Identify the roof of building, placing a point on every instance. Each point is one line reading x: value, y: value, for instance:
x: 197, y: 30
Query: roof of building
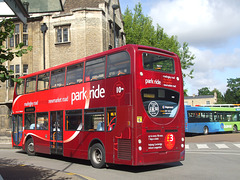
x: 72, y: 4
x: 199, y: 97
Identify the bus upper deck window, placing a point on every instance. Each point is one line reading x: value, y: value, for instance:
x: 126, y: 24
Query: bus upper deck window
x: 20, y: 88
x: 57, y: 78
x: 118, y: 64
x: 43, y: 81
x: 74, y: 74
x: 95, y: 69
x: 158, y: 63
x: 30, y: 84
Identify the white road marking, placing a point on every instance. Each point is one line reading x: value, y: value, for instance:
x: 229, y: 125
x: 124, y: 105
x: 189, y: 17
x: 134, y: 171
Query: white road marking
x: 222, y: 146
x: 202, y: 146
x: 238, y: 145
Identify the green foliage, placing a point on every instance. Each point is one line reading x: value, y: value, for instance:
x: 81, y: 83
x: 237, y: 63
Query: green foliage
x: 139, y: 29
x: 204, y: 91
x: 232, y: 94
x: 7, y: 54
x: 220, y: 97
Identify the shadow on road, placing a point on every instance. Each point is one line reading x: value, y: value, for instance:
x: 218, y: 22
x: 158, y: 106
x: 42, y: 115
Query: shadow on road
x: 11, y: 169
x: 133, y: 169
x: 140, y: 169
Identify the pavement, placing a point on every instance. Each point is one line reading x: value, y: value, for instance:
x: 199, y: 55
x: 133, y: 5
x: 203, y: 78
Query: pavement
x: 5, y: 142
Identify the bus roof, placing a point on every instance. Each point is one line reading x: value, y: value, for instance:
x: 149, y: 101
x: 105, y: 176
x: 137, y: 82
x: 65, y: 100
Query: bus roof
x: 111, y: 51
x: 198, y: 108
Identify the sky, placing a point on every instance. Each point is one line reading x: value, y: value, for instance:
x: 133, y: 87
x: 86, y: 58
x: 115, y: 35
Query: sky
x: 212, y: 30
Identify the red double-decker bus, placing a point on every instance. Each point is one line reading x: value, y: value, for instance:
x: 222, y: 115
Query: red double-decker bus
x: 122, y: 106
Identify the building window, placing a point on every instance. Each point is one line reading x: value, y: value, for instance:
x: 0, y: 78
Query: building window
x: 25, y: 34
x: 62, y: 34
x: 15, y: 39
x: 17, y: 70
x: 15, y: 74
x: 12, y: 68
x: 16, y: 34
x: 25, y: 69
x: 11, y: 41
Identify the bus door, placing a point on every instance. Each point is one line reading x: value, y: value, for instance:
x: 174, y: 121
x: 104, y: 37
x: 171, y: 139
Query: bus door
x: 56, y: 132
x: 17, y: 129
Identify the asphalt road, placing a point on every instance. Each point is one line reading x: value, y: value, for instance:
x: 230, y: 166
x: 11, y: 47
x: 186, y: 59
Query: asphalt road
x: 214, y: 156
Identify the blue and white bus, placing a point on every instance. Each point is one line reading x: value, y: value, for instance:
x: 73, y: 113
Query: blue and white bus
x: 211, y: 119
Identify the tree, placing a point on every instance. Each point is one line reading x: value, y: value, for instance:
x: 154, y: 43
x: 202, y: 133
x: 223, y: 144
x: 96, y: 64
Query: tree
x: 220, y: 97
x: 139, y: 29
x: 232, y: 94
x: 7, y: 54
x: 204, y: 91
x: 229, y: 98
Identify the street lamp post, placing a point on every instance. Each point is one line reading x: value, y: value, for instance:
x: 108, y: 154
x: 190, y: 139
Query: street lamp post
x: 44, y: 29
x: 115, y: 7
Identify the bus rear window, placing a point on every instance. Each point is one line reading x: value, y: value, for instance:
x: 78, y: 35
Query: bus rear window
x: 159, y: 102
x: 158, y: 63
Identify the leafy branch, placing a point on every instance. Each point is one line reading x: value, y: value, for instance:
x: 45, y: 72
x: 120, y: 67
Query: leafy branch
x: 7, y: 54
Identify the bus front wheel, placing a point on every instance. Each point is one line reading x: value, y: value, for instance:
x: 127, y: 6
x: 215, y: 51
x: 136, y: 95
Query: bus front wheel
x: 29, y: 147
x: 97, y: 156
x: 205, y: 130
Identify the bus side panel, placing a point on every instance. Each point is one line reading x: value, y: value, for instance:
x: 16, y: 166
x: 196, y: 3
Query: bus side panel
x: 121, y: 137
x: 72, y: 144
x: 41, y: 145
x: 198, y: 127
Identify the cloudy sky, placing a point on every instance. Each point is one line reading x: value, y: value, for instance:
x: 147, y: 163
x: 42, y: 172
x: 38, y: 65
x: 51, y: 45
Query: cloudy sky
x: 212, y: 30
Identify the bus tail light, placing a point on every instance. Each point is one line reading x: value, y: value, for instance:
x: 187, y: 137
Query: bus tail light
x: 182, y: 145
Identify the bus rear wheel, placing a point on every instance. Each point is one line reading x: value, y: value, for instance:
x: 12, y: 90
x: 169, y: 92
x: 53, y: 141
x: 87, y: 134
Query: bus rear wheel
x: 205, y: 130
x: 97, y: 156
x: 29, y: 147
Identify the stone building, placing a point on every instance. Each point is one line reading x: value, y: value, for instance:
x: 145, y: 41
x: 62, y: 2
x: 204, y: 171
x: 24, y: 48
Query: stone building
x: 200, y: 100
x: 82, y: 29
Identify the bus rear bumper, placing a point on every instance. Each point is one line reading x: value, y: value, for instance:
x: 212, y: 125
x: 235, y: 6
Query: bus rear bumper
x: 161, y: 157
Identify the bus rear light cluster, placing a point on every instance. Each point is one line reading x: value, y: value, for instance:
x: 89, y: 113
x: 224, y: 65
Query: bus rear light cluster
x: 182, y: 145
x: 140, y: 142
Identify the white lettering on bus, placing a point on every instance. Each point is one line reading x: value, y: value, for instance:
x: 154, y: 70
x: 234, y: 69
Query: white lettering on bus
x: 31, y: 104
x: 93, y: 94
x: 151, y: 81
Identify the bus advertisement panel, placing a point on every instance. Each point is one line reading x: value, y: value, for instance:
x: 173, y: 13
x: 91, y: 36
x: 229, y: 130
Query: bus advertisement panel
x: 122, y: 106
x: 211, y: 119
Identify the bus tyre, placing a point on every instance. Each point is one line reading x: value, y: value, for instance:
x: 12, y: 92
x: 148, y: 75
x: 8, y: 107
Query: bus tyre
x: 205, y: 130
x: 29, y: 147
x: 235, y: 129
x: 97, y: 156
